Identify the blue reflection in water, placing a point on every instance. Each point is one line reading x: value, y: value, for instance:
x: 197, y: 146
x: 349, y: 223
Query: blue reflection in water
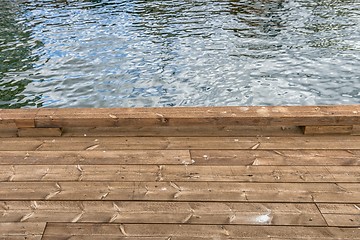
x: 137, y: 53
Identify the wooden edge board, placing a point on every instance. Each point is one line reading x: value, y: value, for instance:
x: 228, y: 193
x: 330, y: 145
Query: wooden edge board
x: 210, y: 231
x: 340, y: 142
x: 256, y: 116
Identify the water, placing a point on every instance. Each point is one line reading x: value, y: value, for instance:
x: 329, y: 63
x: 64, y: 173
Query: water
x: 137, y: 53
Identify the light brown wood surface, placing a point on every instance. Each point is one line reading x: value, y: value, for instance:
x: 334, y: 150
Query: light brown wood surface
x: 180, y: 173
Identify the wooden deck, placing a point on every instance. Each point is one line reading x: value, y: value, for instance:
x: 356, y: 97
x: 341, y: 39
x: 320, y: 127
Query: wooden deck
x: 180, y: 173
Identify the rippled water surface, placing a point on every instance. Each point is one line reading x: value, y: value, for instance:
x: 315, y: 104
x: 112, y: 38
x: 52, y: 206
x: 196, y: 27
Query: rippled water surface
x: 117, y: 53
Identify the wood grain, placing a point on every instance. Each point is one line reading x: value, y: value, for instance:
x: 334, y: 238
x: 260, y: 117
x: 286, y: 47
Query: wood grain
x: 18, y: 230
x: 258, y: 116
x: 180, y: 143
x: 317, y: 130
x: 39, y: 132
x: 162, y: 212
x: 341, y: 214
x: 183, y: 191
x: 190, y: 231
x: 119, y: 157
x: 276, y: 157
x: 182, y: 173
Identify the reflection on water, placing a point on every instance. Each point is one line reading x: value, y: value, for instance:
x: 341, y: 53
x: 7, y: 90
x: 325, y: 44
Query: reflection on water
x: 121, y: 53
x: 16, y: 57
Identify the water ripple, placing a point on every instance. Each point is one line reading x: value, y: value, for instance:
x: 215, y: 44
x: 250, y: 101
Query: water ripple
x: 121, y: 53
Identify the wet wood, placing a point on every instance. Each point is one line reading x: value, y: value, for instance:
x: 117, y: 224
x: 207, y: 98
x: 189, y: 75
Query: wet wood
x: 182, y: 173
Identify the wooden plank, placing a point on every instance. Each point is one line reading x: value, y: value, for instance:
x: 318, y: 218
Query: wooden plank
x: 356, y: 130
x: 147, y: 143
x: 117, y: 237
x: 98, y: 237
x: 6, y: 133
x: 190, y: 231
x: 316, y: 130
x: 20, y: 117
x: 327, y: 208
x: 21, y: 229
x: 343, y: 220
x: 275, y: 157
x: 185, y: 131
x: 7, y: 129
x: 258, y: 116
x: 32, y: 237
x: 180, y: 157
x: 39, y: 132
x: 179, y: 173
x: 162, y: 212
x: 341, y: 214
x: 125, y: 157
x: 265, y: 116
x: 183, y: 191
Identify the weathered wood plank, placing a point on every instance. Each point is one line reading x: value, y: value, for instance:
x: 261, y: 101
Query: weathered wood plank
x: 209, y: 231
x: 275, y: 157
x: 176, y: 173
x: 356, y: 130
x: 183, y: 191
x: 343, y: 220
x: 98, y: 237
x: 339, y: 208
x: 259, y: 116
x: 39, y: 132
x: 185, y: 131
x: 147, y: 143
x: 341, y: 214
x: 20, y: 117
x: 180, y: 157
x: 21, y: 229
x: 162, y: 212
x: 121, y: 157
x: 265, y: 116
x: 32, y: 237
x: 317, y: 130
x: 7, y: 129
